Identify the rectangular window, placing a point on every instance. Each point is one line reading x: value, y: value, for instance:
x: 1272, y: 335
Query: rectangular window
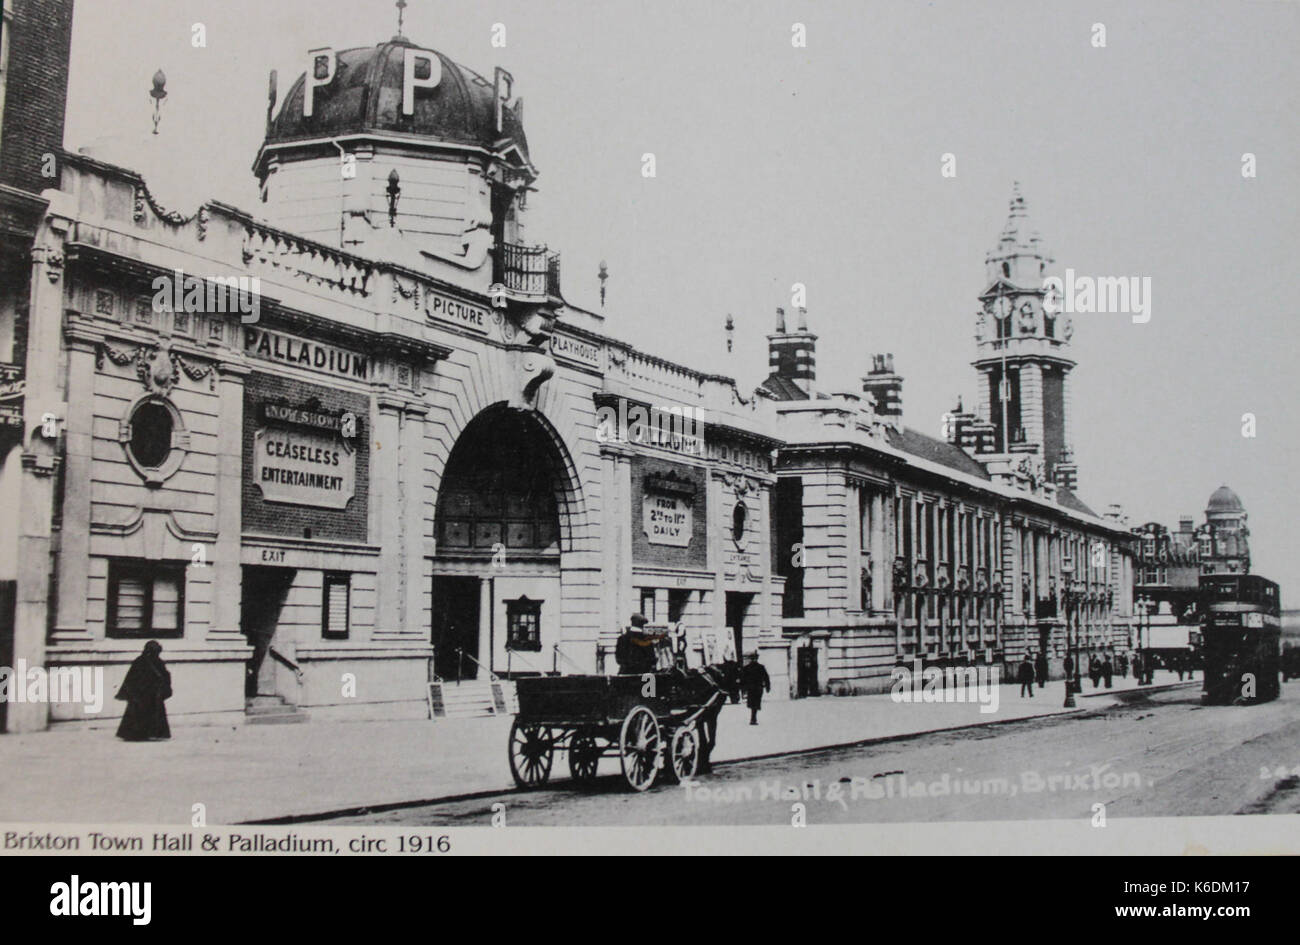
x: 145, y: 599
x: 336, y: 609
x: 648, y: 603
x: 524, y: 624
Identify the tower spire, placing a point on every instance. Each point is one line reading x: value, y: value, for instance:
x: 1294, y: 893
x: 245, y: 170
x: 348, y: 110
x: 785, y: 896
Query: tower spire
x: 401, y: 12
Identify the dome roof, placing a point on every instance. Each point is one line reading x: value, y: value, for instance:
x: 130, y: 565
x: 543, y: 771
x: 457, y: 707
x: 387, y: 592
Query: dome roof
x: 1225, y: 500
x: 365, y: 95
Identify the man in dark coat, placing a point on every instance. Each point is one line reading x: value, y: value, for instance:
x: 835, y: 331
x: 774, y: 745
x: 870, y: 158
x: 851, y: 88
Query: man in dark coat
x: 1107, y: 670
x: 1040, y: 669
x: 1094, y: 670
x: 754, y: 681
x: 1025, y: 676
x: 147, y: 685
x: 635, y: 651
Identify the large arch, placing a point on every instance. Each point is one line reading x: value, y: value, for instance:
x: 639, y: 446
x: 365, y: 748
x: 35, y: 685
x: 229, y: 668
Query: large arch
x: 507, y: 508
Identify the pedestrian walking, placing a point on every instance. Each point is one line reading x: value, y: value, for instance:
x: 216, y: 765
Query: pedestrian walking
x: 1107, y: 670
x: 1025, y: 676
x: 147, y: 685
x: 1040, y: 668
x: 1094, y: 670
x: 1122, y: 660
x: 754, y: 681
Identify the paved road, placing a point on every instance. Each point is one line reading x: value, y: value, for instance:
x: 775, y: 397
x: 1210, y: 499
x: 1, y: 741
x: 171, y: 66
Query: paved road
x: 1161, y: 755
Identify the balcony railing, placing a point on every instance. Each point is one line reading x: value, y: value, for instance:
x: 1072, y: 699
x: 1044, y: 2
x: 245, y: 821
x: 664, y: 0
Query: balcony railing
x: 527, y: 270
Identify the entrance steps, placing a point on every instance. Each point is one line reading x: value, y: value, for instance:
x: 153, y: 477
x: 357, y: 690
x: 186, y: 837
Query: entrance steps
x: 271, y: 710
x: 472, y: 699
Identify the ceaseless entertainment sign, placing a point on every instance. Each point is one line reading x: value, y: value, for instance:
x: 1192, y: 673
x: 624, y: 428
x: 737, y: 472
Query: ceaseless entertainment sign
x: 303, y: 467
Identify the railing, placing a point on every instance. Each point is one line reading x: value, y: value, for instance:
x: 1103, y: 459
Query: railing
x: 461, y: 656
x: 559, y: 655
x: 510, y: 656
x: 307, y: 260
x: 285, y: 661
x: 529, y: 270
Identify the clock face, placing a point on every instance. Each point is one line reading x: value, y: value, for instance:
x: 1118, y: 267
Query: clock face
x: 1002, y: 307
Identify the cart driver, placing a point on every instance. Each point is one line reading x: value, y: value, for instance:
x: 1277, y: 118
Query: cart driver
x: 635, y: 650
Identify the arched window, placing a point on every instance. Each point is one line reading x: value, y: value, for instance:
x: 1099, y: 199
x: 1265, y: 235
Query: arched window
x: 739, y: 520
x: 499, y: 488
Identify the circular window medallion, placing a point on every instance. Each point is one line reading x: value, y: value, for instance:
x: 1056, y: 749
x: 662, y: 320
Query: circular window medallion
x: 151, y: 435
x: 154, y: 439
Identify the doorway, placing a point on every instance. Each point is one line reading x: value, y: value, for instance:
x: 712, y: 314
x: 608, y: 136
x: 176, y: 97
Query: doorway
x: 262, y: 598
x: 737, y: 608
x: 807, y: 671
x: 455, y: 627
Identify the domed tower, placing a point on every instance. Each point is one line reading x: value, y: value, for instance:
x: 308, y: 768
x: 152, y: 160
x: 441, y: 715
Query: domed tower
x: 1224, y: 545
x: 1022, y: 351
x: 396, y: 152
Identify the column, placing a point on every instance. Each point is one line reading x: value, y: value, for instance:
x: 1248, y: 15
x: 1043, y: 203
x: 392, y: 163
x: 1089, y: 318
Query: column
x: 713, y: 486
x: 73, y: 566
x: 227, y: 576
x: 1031, y: 403
x: 385, y: 498
x: 616, y: 541
x: 40, y: 460
x: 415, y: 571
x: 881, y: 559
x: 853, y: 547
x: 486, y: 647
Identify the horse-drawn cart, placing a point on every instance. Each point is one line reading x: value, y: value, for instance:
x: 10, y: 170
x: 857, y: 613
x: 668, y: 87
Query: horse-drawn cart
x: 657, y: 721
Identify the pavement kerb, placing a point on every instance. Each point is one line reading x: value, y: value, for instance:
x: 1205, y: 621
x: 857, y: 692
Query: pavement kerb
x: 794, y: 752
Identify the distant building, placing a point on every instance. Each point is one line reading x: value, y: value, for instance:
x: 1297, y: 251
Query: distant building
x: 1168, y: 565
x: 973, y: 548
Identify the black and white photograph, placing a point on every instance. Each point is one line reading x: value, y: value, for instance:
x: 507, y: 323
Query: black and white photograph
x: 805, y: 427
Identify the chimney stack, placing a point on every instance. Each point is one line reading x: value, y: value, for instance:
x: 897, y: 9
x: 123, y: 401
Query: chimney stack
x: 793, y: 354
x: 887, y: 389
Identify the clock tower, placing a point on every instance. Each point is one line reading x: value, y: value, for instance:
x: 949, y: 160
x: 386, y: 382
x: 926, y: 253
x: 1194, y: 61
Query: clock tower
x: 1022, y: 353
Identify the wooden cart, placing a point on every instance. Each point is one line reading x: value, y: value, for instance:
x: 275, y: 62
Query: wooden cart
x: 651, y: 723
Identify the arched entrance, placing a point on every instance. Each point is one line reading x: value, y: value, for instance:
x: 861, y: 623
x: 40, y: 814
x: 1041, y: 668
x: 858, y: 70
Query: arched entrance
x: 496, y: 583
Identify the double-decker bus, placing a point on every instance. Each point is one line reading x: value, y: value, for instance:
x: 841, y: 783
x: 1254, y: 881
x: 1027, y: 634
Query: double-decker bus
x: 1242, y: 614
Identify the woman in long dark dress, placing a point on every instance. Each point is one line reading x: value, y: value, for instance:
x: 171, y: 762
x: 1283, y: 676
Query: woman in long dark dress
x: 147, y: 685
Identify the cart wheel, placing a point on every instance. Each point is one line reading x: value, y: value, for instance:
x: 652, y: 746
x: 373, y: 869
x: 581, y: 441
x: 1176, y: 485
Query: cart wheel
x: 531, y: 751
x: 639, y: 749
x: 584, y: 756
x: 684, y: 752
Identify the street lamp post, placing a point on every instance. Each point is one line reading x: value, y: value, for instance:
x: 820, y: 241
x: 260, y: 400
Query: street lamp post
x: 1143, y: 607
x: 1071, y: 638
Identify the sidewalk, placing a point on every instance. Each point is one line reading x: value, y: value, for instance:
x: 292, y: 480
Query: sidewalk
x: 257, y: 772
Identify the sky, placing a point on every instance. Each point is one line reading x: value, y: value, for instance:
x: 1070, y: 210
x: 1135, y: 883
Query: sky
x: 822, y: 165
